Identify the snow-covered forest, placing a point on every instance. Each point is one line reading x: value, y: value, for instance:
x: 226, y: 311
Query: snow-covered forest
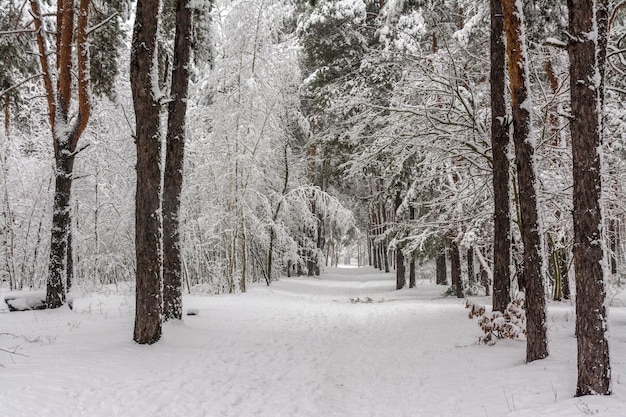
x: 190, y: 174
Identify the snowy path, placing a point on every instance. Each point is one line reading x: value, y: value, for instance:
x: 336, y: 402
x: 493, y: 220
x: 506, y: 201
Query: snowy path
x: 303, y: 347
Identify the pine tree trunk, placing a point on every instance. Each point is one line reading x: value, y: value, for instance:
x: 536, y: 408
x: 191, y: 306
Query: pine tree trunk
x: 377, y: 263
x: 386, y: 258
x: 244, y: 256
x: 484, y: 279
x: 66, y: 130
x: 455, y: 270
x: 536, y: 337
x: 371, y: 241
x: 400, y: 270
x: 564, y: 268
x: 441, y: 268
x: 372, y: 251
x: 320, y: 242
x: 148, y: 195
x: 270, y: 255
x: 586, y: 78
x: 412, y: 262
x: 471, y: 278
x: 500, y: 143
x: 384, y: 243
x: 61, y: 222
x: 399, y: 261
x: 174, y: 157
x: 69, y: 278
x: 613, y: 233
x: 555, y: 264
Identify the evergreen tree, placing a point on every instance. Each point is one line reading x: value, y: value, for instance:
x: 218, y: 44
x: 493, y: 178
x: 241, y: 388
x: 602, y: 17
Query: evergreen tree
x: 146, y: 100
x: 66, y: 128
x: 588, y: 24
x: 173, y: 174
x: 499, y: 146
x: 74, y: 34
x: 536, y: 337
x: 17, y: 64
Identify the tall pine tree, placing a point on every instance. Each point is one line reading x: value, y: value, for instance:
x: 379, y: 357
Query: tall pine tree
x: 146, y: 100
x: 587, y: 53
x: 536, y: 337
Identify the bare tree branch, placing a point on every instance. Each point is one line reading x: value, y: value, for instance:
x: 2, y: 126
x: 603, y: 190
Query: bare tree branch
x: 13, y: 87
x: 99, y: 25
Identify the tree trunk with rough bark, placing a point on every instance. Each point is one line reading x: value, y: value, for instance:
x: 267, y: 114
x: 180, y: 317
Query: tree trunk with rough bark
x: 587, y: 53
x: 66, y: 128
x: 471, y: 278
x: 500, y: 144
x: 69, y: 279
x: 412, y: 262
x: 455, y: 270
x: 441, y: 268
x: 149, y: 297
x: 536, y: 334
x: 384, y: 243
x: 400, y: 269
x: 173, y: 176
x: 61, y: 222
x: 613, y: 239
x: 564, y: 268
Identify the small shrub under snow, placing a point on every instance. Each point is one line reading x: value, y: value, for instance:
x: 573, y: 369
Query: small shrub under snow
x: 496, y: 325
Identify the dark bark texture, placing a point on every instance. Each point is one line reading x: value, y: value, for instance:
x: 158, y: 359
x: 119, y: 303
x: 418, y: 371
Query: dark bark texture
x: 536, y: 335
x: 147, y: 200
x: 69, y: 279
x: 412, y: 262
x: 499, y: 144
x: 613, y: 245
x: 586, y: 58
x: 441, y: 268
x: 384, y: 243
x: 61, y: 222
x: 471, y: 278
x: 400, y: 269
x: 455, y: 270
x: 66, y: 129
x: 173, y: 176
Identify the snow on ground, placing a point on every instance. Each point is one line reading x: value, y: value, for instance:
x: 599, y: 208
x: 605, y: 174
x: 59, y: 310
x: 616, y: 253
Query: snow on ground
x: 345, y: 344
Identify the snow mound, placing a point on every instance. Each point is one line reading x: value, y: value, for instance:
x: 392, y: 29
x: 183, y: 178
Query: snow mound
x: 22, y: 301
